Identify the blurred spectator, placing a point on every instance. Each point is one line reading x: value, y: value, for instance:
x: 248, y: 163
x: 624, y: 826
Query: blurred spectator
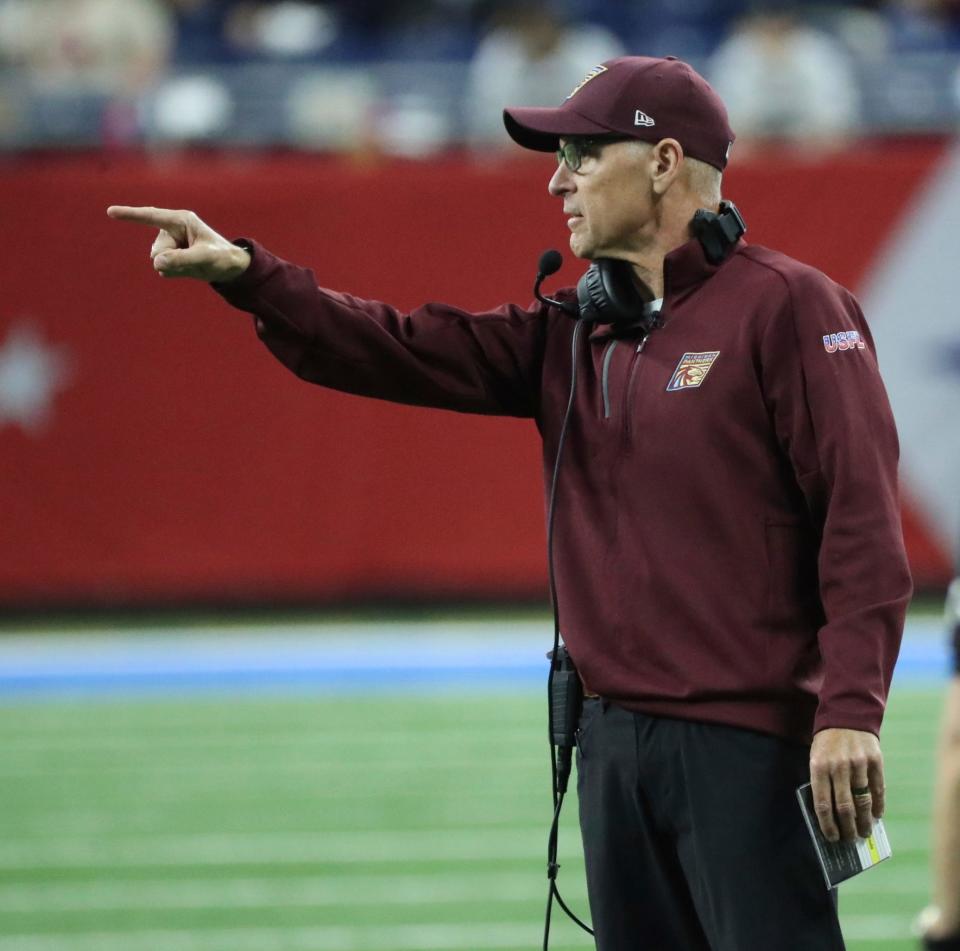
x: 105, y: 46
x: 426, y: 30
x: 690, y: 29
x: 407, y: 29
x: 530, y: 52
x: 923, y: 26
x: 201, y: 32
x: 281, y: 29
x: 782, y: 80
x: 187, y: 109
x: 940, y: 923
x: 863, y: 31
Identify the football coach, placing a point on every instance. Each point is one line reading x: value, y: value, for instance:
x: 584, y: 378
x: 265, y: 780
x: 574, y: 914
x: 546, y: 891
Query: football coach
x: 730, y: 569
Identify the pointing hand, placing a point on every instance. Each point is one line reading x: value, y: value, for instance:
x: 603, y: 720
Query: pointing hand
x: 185, y: 246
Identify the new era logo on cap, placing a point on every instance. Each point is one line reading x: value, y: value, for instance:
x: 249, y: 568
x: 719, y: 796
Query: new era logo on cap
x: 641, y: 118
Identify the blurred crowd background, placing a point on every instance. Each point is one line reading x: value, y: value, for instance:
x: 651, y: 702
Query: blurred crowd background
x: 306, y: 116
x: 413, y: 77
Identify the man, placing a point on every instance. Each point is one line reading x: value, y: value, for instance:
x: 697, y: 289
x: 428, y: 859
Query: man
x: 941, y: 922
x: 730, y: 568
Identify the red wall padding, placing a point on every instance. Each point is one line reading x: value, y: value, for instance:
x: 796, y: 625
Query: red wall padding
x: 180, y: 462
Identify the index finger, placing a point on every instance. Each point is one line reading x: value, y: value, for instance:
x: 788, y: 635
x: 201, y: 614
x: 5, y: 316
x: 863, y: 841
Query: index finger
x: 157, y: 217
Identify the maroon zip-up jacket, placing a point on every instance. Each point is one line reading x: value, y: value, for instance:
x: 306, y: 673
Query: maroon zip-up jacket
x: 728, y: 535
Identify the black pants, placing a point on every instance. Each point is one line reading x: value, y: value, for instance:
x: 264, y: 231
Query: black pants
x: 694, y: 840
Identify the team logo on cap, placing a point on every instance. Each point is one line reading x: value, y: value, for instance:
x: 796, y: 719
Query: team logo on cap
x: 692, y: 370
x: 596, y: 71
x: 641, y: 118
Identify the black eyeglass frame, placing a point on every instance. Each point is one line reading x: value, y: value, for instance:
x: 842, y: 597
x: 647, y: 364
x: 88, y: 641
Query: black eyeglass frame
x: 577, y: 148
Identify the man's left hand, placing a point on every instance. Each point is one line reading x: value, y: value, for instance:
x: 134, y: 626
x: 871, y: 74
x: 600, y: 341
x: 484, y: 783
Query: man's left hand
x: 846, y: 773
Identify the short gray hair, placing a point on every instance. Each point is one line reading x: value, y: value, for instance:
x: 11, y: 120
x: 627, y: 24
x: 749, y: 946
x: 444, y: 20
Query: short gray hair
x: 701, y: 178
x: 705, y: 180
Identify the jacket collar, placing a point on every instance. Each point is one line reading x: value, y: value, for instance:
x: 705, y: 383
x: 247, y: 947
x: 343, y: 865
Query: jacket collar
x: 687, y: 266
x: 684, y: 268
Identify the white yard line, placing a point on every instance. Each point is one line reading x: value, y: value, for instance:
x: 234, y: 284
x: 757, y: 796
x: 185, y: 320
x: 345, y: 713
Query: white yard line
x: 141, y: 738
x: 114, y: 894
x: 316, y: 891
x: 395, y: 937
x: 890, y: 878
x: 398, y: 937
x: 877, y: 927
x: 393, y: 847
x: 256, y: 761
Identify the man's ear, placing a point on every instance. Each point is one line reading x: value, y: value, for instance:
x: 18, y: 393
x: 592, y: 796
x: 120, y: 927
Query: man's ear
x: 667, y: 157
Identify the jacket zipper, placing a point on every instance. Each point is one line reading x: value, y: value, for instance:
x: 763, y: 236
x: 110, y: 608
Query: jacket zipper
x: 627, y: 390
x: 605, y: 379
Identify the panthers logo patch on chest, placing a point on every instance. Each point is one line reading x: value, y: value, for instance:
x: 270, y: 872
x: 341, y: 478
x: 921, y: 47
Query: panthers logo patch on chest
x: 692, y: 370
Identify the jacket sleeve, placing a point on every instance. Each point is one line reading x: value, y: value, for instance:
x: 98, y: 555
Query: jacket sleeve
x: 436, y: 355
x: 833, y: 420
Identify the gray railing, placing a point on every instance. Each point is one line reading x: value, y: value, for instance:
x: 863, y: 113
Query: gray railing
x: 406, y: 108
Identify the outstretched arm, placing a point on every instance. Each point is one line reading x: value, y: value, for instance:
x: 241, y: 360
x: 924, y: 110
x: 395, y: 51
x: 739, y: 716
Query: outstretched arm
x: 436, y: 355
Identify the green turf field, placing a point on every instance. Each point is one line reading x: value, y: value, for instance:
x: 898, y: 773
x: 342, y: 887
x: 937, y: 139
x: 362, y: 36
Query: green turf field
x: 234, y: 822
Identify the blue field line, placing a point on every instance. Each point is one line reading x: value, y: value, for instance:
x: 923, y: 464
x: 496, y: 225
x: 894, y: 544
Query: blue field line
x: 348, y: 658
x: 925, y: 653
x: 329, y: 657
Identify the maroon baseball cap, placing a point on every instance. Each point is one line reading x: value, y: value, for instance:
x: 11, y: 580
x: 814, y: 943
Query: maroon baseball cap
x: 637, y: 96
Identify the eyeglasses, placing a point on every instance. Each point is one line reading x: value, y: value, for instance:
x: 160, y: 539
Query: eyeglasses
x: 574, y: 151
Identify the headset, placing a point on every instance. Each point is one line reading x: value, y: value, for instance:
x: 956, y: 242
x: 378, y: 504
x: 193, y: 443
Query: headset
x: 608, y: 293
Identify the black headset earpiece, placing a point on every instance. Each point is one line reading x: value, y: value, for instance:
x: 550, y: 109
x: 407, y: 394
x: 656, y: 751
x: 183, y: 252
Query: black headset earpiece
x: 611, y: 293
x: 718, y: 231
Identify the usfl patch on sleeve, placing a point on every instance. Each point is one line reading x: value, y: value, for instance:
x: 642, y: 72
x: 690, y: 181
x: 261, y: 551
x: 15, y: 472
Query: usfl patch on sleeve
x: 844, y: 340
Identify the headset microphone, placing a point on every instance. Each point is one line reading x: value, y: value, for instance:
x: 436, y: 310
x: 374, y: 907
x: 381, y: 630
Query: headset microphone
x: 549, y: 263
x: 607, y: 293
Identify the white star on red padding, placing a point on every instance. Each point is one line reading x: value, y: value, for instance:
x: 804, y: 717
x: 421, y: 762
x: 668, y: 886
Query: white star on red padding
x: 32, y: 372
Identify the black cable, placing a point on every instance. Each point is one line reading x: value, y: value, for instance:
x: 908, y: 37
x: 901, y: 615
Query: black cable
x: 570, y: 914
x: 558, y: 788
x: 553, y: 869
x: 551, y: 511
